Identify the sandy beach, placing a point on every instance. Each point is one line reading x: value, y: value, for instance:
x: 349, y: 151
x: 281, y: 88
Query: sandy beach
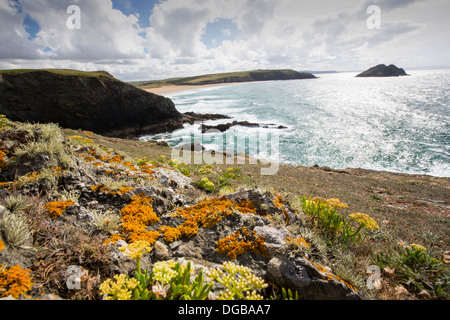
x: 171, y: 89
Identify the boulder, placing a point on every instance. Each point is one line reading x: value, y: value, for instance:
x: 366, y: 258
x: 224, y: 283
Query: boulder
x: 312, y: 282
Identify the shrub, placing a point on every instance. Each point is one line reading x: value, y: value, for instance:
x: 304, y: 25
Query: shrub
x: 324, y: 214
x: 106, y: 222
x: 16, y: 229
x: 238, y: 281
x: 175, y: 277
x: 16, y: 203
x: 206, y: 185
x: 416, y: 269
x: 45, y: 139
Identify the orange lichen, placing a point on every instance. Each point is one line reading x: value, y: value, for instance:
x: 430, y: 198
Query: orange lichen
x: 170, y: 234
x: 2, y: 159
x: 14, y: 281
x: 246, y: 207
x: 116, y: 159
x: 327, y: 275
x: 240, y: 242
x: 2, y: 245
x: 148, y: 169
x: 57, y: 208
x: 124, y: 190
x: 205, y: 214
x: 299, y: 242
x: 113, y: 239
x: 130, y: 165
x: 98, y: 164
x: 136, y: 217
x: 89, y: 158
x: 100, y: 188
x: 278, y: 201
x: 5, y: 184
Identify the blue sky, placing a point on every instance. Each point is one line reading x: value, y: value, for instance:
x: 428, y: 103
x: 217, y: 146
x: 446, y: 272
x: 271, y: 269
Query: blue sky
x: 142, y: 8
x: 140, y: 40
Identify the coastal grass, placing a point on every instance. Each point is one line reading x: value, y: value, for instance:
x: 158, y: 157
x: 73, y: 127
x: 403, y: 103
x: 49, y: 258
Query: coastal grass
x: 212, y: 78
x: 66, y: 72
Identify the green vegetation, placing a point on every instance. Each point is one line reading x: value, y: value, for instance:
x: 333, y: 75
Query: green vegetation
x: 324, y: 213
x: 399, y: 209
x: 66, y: 72
x: 256, y: 75
x: 416, y: 269
x: 170, y: 280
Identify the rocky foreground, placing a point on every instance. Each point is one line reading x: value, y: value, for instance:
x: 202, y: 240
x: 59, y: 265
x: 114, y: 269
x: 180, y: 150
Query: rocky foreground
x: 67, y: 202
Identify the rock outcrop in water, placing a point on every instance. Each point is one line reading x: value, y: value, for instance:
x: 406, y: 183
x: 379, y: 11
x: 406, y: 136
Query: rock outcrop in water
x: 225, y: 126
x: 383, y: 71
x: 90, y: 101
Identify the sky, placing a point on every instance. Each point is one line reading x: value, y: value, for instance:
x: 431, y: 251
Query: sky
x: 158, y: 39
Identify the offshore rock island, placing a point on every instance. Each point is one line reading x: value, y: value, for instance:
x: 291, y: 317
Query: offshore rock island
x: 383, y: 71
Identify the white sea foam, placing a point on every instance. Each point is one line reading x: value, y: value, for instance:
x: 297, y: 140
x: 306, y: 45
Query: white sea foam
x: 339, y: 121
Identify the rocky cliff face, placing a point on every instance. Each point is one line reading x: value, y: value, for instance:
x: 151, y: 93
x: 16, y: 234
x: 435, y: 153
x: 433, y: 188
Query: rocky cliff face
x: 101, y: 104
x: 383, y: 71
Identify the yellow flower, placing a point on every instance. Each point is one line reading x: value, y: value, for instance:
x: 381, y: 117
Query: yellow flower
x: 418, y: 247
x: 336, y: 203
x: 136, y: 249
x: 365, y: 221
x: 121, y: 289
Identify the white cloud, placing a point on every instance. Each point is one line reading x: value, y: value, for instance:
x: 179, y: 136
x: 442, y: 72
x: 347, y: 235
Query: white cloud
x: 298, y: 34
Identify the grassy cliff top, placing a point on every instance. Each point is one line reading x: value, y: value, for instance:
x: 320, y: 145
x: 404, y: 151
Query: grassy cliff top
x: 66, y: 72
x: 254, y: 75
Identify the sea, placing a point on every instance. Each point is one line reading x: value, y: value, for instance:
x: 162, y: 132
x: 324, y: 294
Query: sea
x: 399, y: 124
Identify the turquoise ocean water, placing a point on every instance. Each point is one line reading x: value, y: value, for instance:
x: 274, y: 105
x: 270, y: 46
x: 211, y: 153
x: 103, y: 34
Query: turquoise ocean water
x: 338, y: 121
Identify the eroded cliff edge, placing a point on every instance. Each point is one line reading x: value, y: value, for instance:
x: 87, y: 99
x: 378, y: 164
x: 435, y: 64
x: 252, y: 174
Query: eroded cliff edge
x: 96, y: 102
